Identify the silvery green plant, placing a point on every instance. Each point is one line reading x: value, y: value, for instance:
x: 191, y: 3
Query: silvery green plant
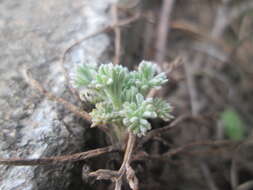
x: 119, y: 95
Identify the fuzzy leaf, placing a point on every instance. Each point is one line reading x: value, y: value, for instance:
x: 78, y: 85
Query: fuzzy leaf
x: 119, y: 95
x: 146, y: 78
x: 85, y: 73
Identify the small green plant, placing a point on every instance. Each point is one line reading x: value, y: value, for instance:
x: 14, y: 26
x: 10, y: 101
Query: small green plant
x: 233, y: 125
x: 119, y: 96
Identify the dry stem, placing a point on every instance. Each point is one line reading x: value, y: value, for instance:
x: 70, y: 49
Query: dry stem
x: 36, y: 85
x: 116, y: 176
x: 59, y: 159
x: 163, y: 29
x: 117, y: 32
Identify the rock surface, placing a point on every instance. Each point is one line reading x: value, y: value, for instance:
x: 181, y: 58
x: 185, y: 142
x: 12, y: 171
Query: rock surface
x: 35, y: 34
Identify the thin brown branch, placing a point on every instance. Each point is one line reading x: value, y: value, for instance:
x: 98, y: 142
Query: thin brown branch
x: 207, y: 175
x: 59, y: 159
x: 187, y: 149
x: 149, y: 32
x: 195, y: 144
x: 125, y: 167
x: 129, y: 20
x: 191, y: 83
x: 233, y: 170
x: 102, y: 30
x: 67, y: 79
x: 74, y: 109
x: 155, y: 132
x: 116, y: 176
x: 128, y: 152
x: 118, y: 184
x: 201, y: 33
x: 131, y: 178
x: 233, y: 173
x: 105, y: 174
x: 163, y: 29
x: 36, y: 85
x: 167, y: 70
x: 117, y: 33
x: 127, y: 5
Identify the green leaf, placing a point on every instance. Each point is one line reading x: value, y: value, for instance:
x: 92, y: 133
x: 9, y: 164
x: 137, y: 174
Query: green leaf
x: 85, y: 73
x: 233, y: 125
x: 163, y: 109
x: 146, y: 78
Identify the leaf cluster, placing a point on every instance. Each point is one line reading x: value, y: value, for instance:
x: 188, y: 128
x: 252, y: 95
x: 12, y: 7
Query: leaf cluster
x: 119, y: 95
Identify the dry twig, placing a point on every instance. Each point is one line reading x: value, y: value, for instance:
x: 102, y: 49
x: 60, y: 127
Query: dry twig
x: 163, y: 29
x: 207, y: 175
x: 195, y: 144
x: 233, y: 170
x: 185, y: 148
x: 162, y: 130
x: 36, y: 85
x: 116, y: 176
x: 117, y: 32
x: 59, y: 159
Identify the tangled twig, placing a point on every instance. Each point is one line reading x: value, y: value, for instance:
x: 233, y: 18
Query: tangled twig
x: 116, y: 176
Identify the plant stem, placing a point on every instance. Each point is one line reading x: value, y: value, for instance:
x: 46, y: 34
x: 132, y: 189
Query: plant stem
x: 128, y: 152
x: 120, y: 133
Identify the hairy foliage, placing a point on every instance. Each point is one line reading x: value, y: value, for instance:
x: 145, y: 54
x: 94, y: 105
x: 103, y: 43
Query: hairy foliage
x: 119, y: 95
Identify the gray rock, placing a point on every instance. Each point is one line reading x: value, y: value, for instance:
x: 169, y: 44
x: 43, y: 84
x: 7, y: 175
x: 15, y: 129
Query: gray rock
x: 35, y: 34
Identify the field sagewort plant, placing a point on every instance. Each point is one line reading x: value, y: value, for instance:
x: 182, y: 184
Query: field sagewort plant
x: 119, y: 96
